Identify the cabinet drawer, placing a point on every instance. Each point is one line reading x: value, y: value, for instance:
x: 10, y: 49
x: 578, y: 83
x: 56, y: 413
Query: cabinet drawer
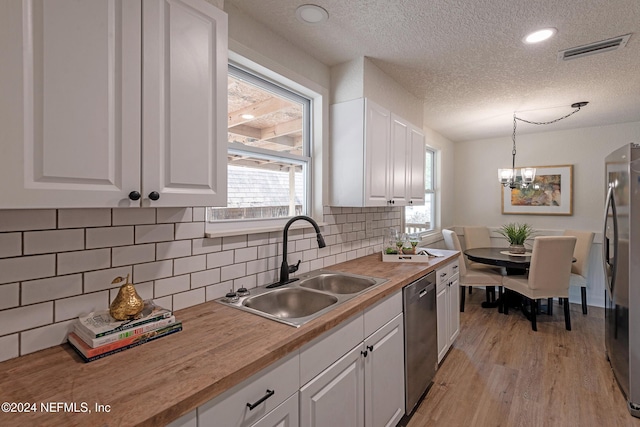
x: 317, y: 355
x: 230, y: 408
x: 381, y: 313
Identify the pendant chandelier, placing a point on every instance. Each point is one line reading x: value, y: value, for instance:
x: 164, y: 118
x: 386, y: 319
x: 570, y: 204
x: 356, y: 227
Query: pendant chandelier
x: 510, y: 177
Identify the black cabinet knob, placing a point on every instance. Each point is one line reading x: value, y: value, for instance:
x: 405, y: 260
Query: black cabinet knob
x: 154, y: 195
x: 134, y: 195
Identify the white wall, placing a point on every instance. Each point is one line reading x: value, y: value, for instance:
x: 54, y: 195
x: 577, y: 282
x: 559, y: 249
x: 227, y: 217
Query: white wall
x: 360, y: 78
x: 478, y: 194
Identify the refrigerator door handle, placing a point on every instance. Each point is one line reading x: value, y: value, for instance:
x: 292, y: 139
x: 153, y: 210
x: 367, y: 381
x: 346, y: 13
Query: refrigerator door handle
x: 608, y: 268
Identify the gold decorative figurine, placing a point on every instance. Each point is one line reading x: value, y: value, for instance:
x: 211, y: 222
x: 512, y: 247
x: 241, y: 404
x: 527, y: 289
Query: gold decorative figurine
x: 127, y: 303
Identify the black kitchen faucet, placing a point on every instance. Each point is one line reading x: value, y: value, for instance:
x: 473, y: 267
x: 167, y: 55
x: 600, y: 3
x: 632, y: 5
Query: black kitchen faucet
x: 285, y: 269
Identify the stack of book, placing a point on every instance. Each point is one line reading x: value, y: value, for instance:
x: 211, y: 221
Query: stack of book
x: 98, y: 334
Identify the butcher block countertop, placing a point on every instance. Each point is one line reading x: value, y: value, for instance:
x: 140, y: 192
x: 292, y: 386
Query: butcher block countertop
x: 156, y: 383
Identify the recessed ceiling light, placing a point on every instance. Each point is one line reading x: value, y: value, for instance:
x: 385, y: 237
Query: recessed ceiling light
x: 311, y: 14
x: 248, y: 116
x: 540, y: 35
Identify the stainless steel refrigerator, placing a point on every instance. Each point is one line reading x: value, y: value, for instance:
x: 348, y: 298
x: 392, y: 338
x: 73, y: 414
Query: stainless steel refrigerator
x: 621, y: 255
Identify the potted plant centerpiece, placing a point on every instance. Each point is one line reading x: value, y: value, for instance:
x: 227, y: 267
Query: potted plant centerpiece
x: 516, y: 235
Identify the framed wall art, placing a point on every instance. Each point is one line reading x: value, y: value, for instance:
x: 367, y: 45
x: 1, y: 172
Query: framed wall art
x: 551, y: 193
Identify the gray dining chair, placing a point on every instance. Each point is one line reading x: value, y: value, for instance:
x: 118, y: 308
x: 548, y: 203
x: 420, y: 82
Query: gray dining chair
x: 580, y: 268
x: 548, y: 277
x: 469, y: 277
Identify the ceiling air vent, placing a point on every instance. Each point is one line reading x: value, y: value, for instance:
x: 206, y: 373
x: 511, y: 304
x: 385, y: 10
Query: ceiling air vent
x: 597, y: 47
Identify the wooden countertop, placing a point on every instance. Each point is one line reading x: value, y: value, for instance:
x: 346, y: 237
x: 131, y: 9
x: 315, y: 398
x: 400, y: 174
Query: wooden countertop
x: 159, y: 381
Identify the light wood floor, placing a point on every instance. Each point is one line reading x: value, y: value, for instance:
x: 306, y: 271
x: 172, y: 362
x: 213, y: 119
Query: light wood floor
x: 501, y: 373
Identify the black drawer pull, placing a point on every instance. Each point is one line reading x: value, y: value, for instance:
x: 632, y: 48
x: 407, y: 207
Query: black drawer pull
x: 262, y: 399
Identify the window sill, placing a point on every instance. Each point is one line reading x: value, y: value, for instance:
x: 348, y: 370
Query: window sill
x: 213, y: 230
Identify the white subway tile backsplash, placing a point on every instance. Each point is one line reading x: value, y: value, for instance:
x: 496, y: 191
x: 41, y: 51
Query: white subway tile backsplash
x: 206, y: 246
x: 267, y: 251
x: 219, y: 259
x: 316, y: 264
x: 27, y: 268
x: 127, y: 255
x: 27, y: 219
x: 257, y: 266
x: 10, y: 244
x: 174, y: 215
x: 152, y: 271
x: 188, y: 299
x: 189, y: 264
x: 75, y: 262
x: 9, y: 295
x: 232, y: 271
x: 109, y: 236
x: 134, y: 216
x: 154, y: 233
x: 305, y: 244
x: 22, y: 318
x: 80, y: 218
x: 245, y: 254
x: 234, y: 242
x: 69, y: 308
x: 51, y: 289
x: 189, y: 230
x: 174, y: 249
x: 45, y: 337
x: 199, y: 214
x: 42, y: 242
x: 205, y: 278
x: 259, y: 239
x: 218, y: 291
x: 248, y: 282
x: 165, y: 302
x: 100, y: 280
x: 172, y: 285
x: 165, y: 249
x: 9, y: 347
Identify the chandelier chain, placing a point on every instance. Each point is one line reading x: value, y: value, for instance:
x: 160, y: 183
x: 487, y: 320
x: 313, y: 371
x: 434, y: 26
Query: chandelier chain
x: 515, y: 124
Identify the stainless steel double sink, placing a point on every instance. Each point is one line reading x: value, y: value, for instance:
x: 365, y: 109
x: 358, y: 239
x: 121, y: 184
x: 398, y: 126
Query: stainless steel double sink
x: 298, y: 302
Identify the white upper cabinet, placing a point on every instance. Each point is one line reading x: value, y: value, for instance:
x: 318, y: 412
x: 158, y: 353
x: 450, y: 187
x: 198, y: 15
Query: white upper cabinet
x: 416, y: 167
x: 103, y: 99
x: 371, y: 162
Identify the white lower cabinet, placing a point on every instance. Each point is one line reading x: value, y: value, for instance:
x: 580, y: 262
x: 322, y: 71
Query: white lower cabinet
x: 384, y: 375
x: 365, y: 387
x: 336, y: 396
x: 250, y: 402
x: 285, y: 415
x: 352, y: 375
x: 448, y: 308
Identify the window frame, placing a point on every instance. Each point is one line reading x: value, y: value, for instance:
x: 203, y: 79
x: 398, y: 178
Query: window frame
x: 433, y: 194
x: 315, y: 97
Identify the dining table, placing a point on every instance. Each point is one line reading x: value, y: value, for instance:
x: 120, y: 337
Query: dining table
x: 515, y: 264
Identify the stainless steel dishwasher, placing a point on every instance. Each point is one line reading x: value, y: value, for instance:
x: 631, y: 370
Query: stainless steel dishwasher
x: 420, y: 338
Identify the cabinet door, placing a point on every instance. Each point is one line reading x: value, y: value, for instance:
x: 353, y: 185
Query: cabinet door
x: 442, y: 307
x: 377, y: 135
x: 384, y: 375
x: 336, y: 396
x: 184, y: 103
x: 416, y: 167
x: 285, y: 415
x: 398, y: 161
x: 454, y: 310
x: 70, y: 104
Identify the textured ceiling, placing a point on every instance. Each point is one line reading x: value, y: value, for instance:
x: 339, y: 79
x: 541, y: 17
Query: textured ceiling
x: 466, y: 60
